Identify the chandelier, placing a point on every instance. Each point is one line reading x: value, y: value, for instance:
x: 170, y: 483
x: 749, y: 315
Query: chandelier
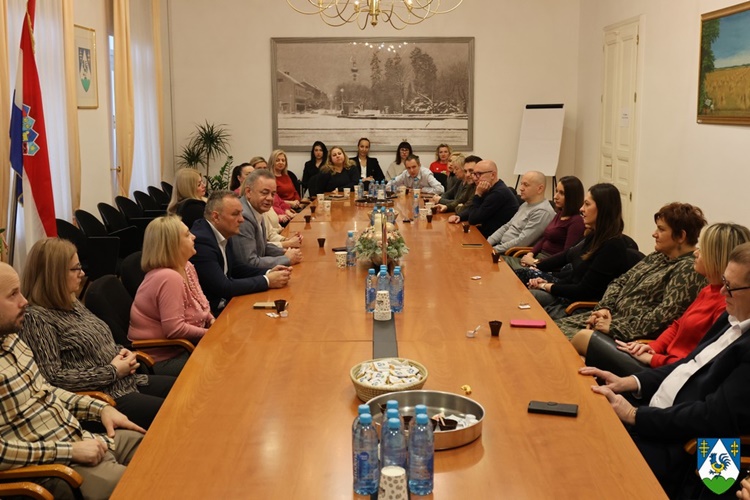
x: 399, y: 13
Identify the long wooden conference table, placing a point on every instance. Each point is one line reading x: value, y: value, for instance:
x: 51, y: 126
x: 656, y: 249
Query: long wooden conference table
x: 264, y: 407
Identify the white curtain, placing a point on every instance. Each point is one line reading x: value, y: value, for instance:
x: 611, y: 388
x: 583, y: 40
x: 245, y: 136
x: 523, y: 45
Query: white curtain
x: 50, y: 60
x: 146, y: 145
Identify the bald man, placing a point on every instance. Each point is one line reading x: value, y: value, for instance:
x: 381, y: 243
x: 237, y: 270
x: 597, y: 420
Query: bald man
x: 40, y: 422
x: 493, y: 205
x: 532, y: 217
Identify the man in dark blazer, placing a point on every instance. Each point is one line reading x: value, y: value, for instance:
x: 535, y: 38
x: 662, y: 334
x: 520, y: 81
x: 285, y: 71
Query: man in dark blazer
x: 707, y: 394
x: 251, y: 245
x: 493, y: 205
x: 220, y: 274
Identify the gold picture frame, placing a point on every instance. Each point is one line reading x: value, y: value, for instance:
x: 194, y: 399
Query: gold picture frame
x: 724, y: 66
x: 87, y: 81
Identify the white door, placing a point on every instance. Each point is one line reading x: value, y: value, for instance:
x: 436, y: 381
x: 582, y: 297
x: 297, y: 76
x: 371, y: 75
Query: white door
x: 617, y: 158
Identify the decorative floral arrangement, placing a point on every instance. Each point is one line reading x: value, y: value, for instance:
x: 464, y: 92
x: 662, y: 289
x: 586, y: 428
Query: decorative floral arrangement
x: 369, y: 243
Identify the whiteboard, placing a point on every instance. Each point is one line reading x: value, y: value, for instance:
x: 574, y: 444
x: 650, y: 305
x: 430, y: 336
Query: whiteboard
x: 541, y: 136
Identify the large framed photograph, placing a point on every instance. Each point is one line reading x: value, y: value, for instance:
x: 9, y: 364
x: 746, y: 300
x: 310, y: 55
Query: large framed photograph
x: 724, y: 71
x: 390, y: 90
x: 87, y: 83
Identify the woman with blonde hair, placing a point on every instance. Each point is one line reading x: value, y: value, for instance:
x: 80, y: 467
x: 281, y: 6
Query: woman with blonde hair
x: 169, y: 303
x: 287, y: 185
x: 679, y: 339
x: 73, y: 348
x: 188, y: 195
x: 442, y: 158
x: 339, y: 172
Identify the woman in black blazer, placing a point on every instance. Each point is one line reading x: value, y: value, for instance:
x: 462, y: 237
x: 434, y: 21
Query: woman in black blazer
x: 369, y: 167
x: 318, y: 156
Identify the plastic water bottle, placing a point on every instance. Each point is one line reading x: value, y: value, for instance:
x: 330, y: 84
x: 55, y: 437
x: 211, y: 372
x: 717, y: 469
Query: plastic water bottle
x: 421, y: 469
x: 365, y: 464
x: 371, y: 289
x: 384, y: 281
x: 361, y: 410
x: 393, y: 445
x: 351, y: 255
x: 360, y: 190
x: 416, y: 206
x: 372, y: 189
x: 418, y: 410
x: 381, y: 191
x: 397, y: 290
x: 391, y: 216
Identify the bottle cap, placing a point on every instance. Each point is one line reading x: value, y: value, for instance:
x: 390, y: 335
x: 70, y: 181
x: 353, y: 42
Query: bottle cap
x: 365, y: 419
x: 391, y: 413
x: 391, y: 403
x: 351, y: 234
x: 394, y: 423
x: 422, y: 419
x: 363, y: 409
x: 371, y: 271
x: 420, y: 409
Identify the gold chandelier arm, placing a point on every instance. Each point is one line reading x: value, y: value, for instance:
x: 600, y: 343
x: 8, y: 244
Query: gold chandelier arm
x: 397, y: 13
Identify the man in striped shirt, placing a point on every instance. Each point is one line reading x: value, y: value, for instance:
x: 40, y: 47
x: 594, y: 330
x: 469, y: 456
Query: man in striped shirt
x: 40, y: 423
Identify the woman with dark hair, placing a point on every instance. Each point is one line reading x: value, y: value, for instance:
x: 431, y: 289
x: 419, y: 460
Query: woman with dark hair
x: 238, y: 175
x: 591, y: 264
x: 402, y: 153
x: 339, y: 172
x: 318, y: 156
x: 682, y: 336
x: 565, y: 230
x: 369, y: 167
x: 656, y: 291
x: 74, y: 349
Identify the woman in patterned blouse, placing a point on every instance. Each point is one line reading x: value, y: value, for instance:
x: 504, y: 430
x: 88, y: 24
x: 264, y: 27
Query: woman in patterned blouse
x: 169, y: 303
x: 73, y: 348
x: 656, y: 291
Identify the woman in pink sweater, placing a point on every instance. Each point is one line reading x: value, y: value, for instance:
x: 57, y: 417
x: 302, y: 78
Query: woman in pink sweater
x: 683, y: 335
x: 169, y: 303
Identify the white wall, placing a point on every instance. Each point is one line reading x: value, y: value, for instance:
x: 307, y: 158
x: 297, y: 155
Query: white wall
x: 678, y: 159
x: 222, y: 68
x: 94, y: 124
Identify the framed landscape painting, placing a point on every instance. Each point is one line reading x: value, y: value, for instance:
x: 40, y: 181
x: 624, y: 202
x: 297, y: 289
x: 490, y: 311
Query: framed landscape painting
x: 724, y: 73
x: 390, y: 90
x: 87, y: 91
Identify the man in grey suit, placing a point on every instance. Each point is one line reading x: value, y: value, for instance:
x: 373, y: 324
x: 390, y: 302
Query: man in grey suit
x: 251, y: 245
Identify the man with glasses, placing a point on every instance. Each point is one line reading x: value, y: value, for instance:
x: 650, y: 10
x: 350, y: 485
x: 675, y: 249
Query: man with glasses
x: 416, y: 177
x: 705, y: 394
x: 252, y: 245
x: 465, y: 192
x: 493, y: 205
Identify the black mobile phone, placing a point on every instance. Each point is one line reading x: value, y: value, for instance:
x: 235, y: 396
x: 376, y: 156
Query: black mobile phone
x: 471, y: 245
x: 339, y: 249
x: 553, y: 408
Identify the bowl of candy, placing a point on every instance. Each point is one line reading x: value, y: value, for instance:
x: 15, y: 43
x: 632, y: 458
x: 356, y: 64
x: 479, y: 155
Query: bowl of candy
x: 457, y: 420
x: 385, y: 375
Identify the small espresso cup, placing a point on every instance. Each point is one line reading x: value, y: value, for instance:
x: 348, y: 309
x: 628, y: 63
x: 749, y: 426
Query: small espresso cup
x: 321, y: 242
x: 495, y: 327
x: 466, y: 228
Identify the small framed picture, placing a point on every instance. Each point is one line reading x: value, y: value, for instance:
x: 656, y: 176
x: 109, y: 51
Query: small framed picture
x: 87, y: 83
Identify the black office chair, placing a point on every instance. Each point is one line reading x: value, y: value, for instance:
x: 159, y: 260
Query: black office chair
x: 108, y: 299
x: 190, y: 210
x: 160, y: 197
x: 131, y: 239
x: 98, y: 254
x: 167, y: 188
x: 131, y: 273
x: 131, y: 210
x: 146, y: 202
x: 442, y: 179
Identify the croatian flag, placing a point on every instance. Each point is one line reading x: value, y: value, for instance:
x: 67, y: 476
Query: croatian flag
x: 28, y: 142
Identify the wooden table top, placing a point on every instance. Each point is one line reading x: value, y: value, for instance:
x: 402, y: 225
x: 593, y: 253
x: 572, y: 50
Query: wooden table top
x: 263, y: 408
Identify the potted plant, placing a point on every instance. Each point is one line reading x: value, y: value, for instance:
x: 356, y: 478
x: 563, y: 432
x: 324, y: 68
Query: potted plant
x: 369, y: 248
x: 206, y: 143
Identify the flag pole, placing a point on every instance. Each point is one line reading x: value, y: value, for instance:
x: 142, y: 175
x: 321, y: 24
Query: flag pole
x: 12, y: 220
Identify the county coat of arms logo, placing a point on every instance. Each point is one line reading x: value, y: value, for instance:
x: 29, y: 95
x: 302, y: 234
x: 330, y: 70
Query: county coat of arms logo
x: 718, y: 462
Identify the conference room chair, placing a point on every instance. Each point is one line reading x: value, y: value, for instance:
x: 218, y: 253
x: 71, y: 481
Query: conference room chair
x: 131, y: 210
x: 442, y: 178
x: 131, y: 240
x: 131, y: 273
x: 17, y: 482
x: 147, y: 203
x: 167, y: 188
x: 108, y: 299
x: 160, y: 197
x: 99, y: 255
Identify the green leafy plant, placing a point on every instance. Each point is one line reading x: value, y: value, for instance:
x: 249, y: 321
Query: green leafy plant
x: 221, y: 180
x: 206, y: 143
x: 369, y: 244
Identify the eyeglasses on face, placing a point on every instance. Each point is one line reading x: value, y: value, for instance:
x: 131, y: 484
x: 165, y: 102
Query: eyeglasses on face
x: 730, y: 290
x: 477, y: 173
x: 76, y: 269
